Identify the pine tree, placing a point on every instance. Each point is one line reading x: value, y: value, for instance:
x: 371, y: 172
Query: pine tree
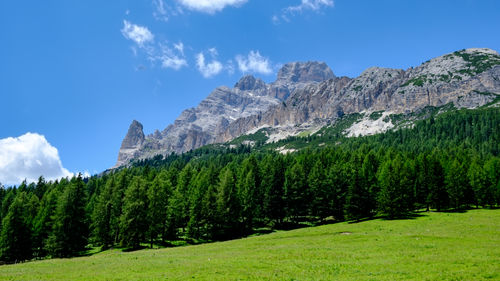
x: 337, y: 177
x: 478, y: 181
x: 158, y: 193
x: 456, y: 183
x: 296, y: 192
x: 42, y: 225
x: 250, y: 192
x: 246, y: 190
x: 369, y: 181
x: 320, y: 205
x: 392, y: 199
x: 69, y: 230
x: 15, y: 238
x: 41, y: 187
x: 438, y: 196
x: 228, y: 205
x: 273, y: 179
x: 133, y: 221
x: 178, y: 206
x: 358, y: 197
x: 492, y: 170
x: 102, y: 216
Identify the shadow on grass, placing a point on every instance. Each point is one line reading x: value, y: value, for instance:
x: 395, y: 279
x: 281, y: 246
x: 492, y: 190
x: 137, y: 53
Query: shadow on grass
x: 410, y: 216
x: 126, y: 250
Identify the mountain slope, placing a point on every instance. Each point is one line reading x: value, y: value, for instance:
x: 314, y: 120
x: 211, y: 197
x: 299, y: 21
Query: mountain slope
x: 433, y: 246
x: 307, y: 96
x: 199, y: 126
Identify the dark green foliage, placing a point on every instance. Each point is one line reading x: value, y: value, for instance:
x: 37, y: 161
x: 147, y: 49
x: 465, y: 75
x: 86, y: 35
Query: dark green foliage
x: 448, y: 161
x: 376, y: 115
x: 477, y: 62
x: 437, y: 194
x: 478, y: 182
x: 69, y: 229
x: 320, y: 189
x: 456, y: 183
x: 158, y: 193
x: 358, y: 201
x: 296, y: 192
x: 417, y: 81
x: 15, y: 238
x: 249, y: 190
x: 394, y: 191
x: 228, y: 206
x: 102, y: 215
x: 133, y: 221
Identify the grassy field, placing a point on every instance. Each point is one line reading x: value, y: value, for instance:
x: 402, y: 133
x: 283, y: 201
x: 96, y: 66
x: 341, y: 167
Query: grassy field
x: 434, y: 246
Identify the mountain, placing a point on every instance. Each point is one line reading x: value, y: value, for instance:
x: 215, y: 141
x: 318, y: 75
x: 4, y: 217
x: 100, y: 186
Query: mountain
x: 307, y: 97
x: 199, y: 126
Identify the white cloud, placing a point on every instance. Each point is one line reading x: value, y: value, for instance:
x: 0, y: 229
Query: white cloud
x: 170, y: 57
x: 28, y: 157
x: 254, y: 62
x: 174, y: 62
x: 210, y: 6
x: 305, y: 5
x: 314, y: 5
x: 179, y: 47
x: 160, y: 12
x: 208, y: 69
x: 136, y: 33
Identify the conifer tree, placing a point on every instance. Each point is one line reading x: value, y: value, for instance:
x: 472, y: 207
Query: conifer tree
x: 158, y: 193
x: 15, y: 237
x: 69, y: 229
x: 438, y: 196
x: 133, y: 221
x: 273, y: 179
x: 320, y: 205
x: 456, y: 183
x: 228, y: 204
x: 102, y: 216
x: 296, y: 192
x: 42, y: 225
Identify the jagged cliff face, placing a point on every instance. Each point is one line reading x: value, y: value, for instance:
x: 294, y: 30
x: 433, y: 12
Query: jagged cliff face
x: 307, y: 96
x: 199, y: 126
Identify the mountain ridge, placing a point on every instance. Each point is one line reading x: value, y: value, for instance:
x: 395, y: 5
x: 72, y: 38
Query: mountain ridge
x: 307, y: 96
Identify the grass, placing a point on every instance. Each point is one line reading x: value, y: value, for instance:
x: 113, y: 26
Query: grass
x: 434, y: 246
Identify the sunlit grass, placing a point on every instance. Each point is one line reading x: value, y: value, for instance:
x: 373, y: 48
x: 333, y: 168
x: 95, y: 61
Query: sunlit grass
x: 434, y: 246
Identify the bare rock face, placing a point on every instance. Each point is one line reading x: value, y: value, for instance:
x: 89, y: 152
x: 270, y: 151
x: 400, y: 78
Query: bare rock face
x: 308, y: 95
x: 203, y: 124
x: 131, y: 143
x: 249, y: 82
x: 305, y: 72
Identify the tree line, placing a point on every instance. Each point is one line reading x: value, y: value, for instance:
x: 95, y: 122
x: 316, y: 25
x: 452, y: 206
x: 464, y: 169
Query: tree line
x: 211, y: 195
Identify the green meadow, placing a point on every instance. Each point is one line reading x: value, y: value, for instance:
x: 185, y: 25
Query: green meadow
x: 432, y: 246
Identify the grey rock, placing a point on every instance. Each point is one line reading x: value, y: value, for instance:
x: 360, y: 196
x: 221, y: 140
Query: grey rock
x: 249, y: 82
x: 132, y: 142
x: 308, y: 95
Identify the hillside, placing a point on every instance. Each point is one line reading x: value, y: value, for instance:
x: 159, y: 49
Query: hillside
x: 307, y: 96
x: 433, y: 246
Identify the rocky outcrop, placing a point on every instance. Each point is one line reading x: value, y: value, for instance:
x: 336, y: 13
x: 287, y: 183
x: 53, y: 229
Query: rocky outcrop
x: 308, y: 95
x: 250, y: 96
x: 131, y: 144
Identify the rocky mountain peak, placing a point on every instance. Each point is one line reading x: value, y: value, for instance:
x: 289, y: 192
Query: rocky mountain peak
x: 135, y: 135
x: 310, y: 71
x: 249, y: 82
x: 307, y: 96
x: 481, y: 50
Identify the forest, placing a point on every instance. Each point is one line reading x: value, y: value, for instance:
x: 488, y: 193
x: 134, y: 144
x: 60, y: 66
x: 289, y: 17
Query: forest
x: 449, y: 162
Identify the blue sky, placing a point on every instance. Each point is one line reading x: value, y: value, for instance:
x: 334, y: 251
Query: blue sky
x: 76, y: 73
